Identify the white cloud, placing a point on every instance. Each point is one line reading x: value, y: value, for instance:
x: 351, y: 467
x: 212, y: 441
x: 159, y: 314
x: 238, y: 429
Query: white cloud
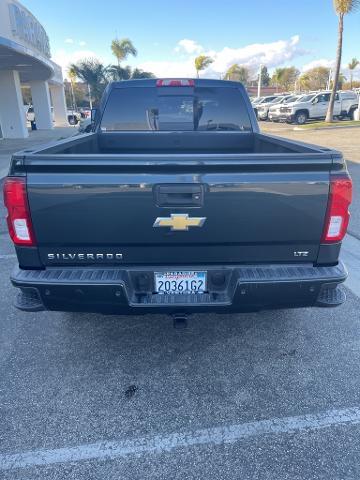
x: 188, y: 46
x: 64, y: 58
x: 271, y: 54
x: 170, y: 68
x: 69, y: 40
x: 321, y: 62
x: 82, y: 43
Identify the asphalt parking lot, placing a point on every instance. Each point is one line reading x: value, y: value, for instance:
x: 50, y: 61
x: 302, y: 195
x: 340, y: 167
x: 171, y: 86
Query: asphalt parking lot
x: 270, y: 395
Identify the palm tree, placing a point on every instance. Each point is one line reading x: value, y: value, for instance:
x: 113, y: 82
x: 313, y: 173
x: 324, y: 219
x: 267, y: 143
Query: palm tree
x: 117, y: 73
x: 351, y: 66
x: 138, y: 73
x: 285, y: 78
x: 341, y: 81
x: 238, y: 73
x: 342, y: 8
x: 72, y: 76
x: 202, y: 62
x: 94, y: 73
x: 122, y: 49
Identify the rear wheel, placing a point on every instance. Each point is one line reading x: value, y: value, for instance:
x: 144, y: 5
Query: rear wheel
x: 72, y: 120
x: 352, y: 114
x: 301, y: 118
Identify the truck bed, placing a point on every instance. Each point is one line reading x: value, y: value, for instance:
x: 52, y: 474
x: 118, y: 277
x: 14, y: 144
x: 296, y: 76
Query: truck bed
x: 108, y: 198
x: 113, y: 143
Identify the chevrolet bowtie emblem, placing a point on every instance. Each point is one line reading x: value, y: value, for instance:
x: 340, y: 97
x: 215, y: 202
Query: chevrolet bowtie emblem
x: 179, y: 221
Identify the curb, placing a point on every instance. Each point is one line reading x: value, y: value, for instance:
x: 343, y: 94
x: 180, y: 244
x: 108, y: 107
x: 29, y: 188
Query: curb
x: 299, y: 129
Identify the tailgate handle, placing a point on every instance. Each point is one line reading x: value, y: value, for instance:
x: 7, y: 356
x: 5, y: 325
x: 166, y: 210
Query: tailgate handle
x: 179, y: 195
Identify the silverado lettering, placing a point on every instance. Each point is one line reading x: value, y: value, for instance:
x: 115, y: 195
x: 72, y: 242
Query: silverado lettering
x: 84, y: 256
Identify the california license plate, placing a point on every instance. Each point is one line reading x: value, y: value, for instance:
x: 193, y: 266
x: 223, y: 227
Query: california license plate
x: 180, y: 282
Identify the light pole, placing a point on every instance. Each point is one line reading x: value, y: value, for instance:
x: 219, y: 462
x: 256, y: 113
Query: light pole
x: 90, y: 100
x: 72, y: 97
x: 329, y: 80
x: 357, y: 111
x: 260, y: 80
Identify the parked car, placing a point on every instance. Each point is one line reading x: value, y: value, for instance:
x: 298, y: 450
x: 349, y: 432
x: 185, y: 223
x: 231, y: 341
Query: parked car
x: 315, y: 106
x: 85, y: 125
x: 177, y: 203
x: 73, y: 117
x: 85, y: 112
x: 262, y: 101
x: 275, y: 114
x: 263, y: 108
x: 256, y: 100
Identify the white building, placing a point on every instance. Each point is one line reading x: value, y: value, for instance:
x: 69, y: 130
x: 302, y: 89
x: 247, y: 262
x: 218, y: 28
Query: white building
x: 25, y: 60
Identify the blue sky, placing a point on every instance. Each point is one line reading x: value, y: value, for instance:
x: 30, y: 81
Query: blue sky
x: 168, y: 34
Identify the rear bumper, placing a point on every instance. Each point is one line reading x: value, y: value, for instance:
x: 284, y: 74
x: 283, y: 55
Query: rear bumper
x: 130, y: 290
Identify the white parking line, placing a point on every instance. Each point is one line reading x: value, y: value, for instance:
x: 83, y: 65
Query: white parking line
x: 10, y: 255
x: 350, y: 254
x: 167, y: 443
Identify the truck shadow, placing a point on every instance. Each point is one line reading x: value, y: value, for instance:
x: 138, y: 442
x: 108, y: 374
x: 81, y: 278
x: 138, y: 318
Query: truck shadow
x: 146, y: 345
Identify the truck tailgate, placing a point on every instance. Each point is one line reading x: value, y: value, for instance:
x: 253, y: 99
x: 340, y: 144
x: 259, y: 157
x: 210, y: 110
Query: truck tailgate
x: 253, y: 209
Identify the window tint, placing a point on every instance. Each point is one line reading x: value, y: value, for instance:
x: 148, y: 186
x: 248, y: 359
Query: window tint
x: 324, y: 97
x: 167, y: 108
x: 307, y: 98
x: 220, y: 109
x: 269, y: 99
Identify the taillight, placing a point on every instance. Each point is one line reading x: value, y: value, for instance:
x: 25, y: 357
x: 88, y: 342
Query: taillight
x: 18, y: 217
x: 175, y: 83
x: 337, y: 217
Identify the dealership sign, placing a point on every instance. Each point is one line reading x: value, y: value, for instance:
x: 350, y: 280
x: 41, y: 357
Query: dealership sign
x: 27, y: 28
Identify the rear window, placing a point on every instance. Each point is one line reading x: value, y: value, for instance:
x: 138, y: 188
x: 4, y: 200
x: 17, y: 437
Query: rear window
x: 175, y: 108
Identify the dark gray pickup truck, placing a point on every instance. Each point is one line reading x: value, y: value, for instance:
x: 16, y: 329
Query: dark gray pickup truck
x: 176, y: 203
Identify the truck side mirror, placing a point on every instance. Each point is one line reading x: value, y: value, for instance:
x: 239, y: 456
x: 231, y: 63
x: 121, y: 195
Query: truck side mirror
x: 93, y: 114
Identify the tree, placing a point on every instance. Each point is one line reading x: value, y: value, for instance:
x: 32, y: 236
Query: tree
x: 72, y: 76
x: 285, y: 78
x: 351, y: 66
x: 122, y: 49
x: 76, y: 94
x: 138, y: 73
x: 116, y: 73
x: 355, y: 84
x: 238, y: 73
x: 265, y: 77
x: 94, y: 73
x: 341, y: 81
x: 342, y: 8
x: 315, y: 79
x: 26, y: 95
x: 202, y: 62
